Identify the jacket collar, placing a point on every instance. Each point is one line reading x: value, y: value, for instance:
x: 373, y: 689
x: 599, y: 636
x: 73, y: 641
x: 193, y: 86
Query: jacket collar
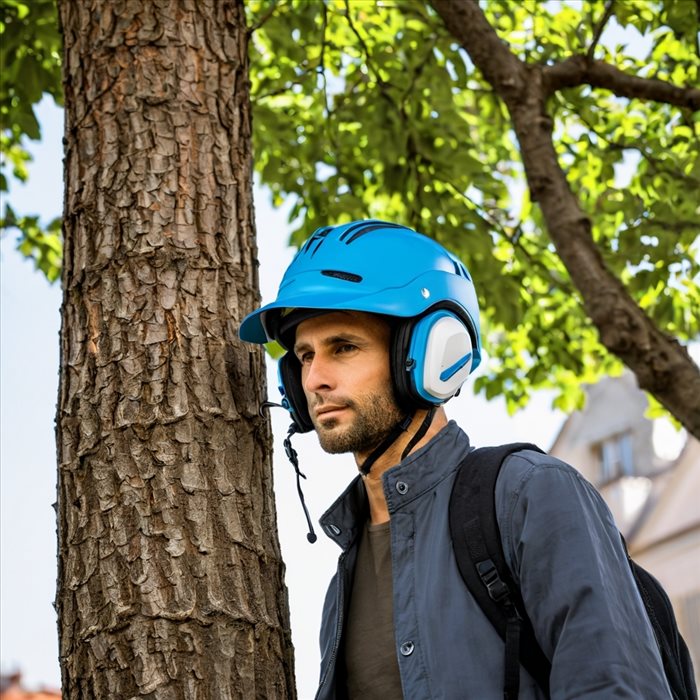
x: 421, y: 471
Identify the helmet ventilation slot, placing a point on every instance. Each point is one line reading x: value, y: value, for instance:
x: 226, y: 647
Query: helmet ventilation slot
x: 339, y: 274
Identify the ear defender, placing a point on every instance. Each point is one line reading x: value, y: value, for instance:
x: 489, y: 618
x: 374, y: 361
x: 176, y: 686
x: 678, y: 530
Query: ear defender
x: 431, y: 357
x: 293, y: 398
x: 437, y: 354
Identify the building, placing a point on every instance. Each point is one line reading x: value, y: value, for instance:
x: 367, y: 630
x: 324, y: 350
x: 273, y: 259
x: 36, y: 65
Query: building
x: 11, y: 689
x: 650, y: 479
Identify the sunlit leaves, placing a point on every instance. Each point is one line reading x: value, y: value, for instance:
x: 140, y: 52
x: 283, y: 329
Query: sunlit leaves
x: 370, y: 109
x: 380, y: 131
x: 30, y: 56
x: 16, y: 156
x: 43, y: 245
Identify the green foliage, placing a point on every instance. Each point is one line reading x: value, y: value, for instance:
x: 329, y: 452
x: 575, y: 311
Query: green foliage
x: 371, y: 109
x: 43, y: 245
x: 30, y: 57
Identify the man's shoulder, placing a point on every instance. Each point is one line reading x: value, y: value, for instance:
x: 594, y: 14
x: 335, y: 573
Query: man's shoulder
x: 527, y: 463
x: 534, y: 472
x: 529, y: 470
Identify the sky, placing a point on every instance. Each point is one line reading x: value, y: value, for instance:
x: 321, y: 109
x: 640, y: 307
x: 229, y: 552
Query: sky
x: 29, y: 356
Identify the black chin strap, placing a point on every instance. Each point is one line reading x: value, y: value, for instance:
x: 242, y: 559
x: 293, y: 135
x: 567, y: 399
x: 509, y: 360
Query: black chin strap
x: 386, y: 443
x: 419, y: 433
x: 393, y: 436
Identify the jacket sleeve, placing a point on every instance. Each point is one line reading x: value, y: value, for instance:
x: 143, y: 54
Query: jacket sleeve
x: 562, y: 545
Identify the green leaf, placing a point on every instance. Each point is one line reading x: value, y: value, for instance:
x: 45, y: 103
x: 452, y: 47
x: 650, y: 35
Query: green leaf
x: 43, y: 245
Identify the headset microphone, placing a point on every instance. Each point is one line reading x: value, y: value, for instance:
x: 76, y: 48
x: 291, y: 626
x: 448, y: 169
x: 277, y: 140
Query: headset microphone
x: 294, y: 459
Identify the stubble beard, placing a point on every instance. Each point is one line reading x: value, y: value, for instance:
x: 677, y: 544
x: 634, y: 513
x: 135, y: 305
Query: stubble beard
x: 374, y: 419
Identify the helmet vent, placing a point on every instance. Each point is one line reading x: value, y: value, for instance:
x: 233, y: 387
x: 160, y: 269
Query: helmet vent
x: 461, y: 270
x: 338, y: 274
x: 316, y: 241
x: 352, y: 233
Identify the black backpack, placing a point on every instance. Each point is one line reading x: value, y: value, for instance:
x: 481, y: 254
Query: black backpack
x: 477, y: 544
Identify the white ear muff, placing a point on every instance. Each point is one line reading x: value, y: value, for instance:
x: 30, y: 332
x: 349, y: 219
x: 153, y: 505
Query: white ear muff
x: 440, y: 356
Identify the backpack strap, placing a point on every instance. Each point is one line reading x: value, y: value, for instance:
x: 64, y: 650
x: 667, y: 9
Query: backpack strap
x: 476, y: 539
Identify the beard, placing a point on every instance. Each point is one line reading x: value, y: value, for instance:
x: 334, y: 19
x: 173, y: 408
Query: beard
x: 376, y: 415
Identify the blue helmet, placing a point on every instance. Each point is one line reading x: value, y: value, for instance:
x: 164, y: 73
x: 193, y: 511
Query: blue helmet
x: 388, y: 269
x: 371, y: 266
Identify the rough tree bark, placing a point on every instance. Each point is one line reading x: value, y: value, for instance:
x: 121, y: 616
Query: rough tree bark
x: 170, y: 575
x: 661, y: 364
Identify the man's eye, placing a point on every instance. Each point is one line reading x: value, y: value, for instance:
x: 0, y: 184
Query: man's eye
x: 347, y: 347
x: 306, y: 357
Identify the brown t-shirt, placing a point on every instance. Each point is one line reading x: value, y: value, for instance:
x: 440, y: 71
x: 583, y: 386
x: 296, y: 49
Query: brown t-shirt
x: 370, y: 649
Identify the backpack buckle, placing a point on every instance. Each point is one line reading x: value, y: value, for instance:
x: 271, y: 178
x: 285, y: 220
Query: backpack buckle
x: 498, y: 590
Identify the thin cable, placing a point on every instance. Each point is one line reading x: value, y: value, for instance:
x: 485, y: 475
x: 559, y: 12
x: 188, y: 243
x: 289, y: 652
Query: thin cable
x: 268, y: 404
x: 294, y: 459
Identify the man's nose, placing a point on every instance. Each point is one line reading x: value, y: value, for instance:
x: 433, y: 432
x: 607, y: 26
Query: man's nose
x: 317, y: 375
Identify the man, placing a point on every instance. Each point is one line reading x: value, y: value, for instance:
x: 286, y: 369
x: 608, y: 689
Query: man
x: 381, y: 325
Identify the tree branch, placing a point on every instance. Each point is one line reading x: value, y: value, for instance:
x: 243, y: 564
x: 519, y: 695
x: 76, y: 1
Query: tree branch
x: 661, y: 364
x: 264, y: 17
x: 363, y: 44
x: 599, y: 29
x: 579, y: 70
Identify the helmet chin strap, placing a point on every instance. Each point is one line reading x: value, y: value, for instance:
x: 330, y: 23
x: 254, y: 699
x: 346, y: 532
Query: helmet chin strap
x: 393, y: 436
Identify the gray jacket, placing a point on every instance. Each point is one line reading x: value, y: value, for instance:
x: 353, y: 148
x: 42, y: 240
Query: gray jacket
x: 562, y: 546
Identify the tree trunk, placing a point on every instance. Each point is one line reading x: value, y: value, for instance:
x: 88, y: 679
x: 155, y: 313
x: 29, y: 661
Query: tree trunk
x: 170, y: 575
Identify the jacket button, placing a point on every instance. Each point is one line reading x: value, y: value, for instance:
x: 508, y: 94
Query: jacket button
x: 402, y: 487
x: 407, y: 648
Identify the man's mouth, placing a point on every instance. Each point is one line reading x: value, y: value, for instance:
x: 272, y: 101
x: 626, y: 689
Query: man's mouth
x: 328, y: 411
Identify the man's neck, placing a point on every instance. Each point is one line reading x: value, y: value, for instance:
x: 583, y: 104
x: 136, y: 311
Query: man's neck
x: 378, y: 510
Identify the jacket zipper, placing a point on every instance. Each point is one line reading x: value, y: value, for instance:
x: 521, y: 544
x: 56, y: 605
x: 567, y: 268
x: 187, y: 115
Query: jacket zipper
x: 338, y: 622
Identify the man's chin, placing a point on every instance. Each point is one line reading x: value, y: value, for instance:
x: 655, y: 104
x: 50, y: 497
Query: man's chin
x: 333, y: 438
x: 332, y: 447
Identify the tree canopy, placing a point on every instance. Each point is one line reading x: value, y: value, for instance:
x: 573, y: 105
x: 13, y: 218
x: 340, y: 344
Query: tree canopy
x: 30, y: 56
x: 553, y: 146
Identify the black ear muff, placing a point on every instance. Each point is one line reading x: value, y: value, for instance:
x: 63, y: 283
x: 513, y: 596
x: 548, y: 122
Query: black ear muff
x: 293, y: 397
x: 431, y: 358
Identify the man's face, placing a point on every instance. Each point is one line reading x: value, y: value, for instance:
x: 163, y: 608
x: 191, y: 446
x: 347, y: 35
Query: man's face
x: 346, y: 376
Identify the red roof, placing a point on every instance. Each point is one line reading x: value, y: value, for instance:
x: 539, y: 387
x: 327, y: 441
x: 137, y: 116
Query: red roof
x: 11, y: 689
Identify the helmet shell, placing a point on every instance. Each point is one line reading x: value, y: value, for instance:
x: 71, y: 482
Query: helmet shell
x: 372, y: 266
